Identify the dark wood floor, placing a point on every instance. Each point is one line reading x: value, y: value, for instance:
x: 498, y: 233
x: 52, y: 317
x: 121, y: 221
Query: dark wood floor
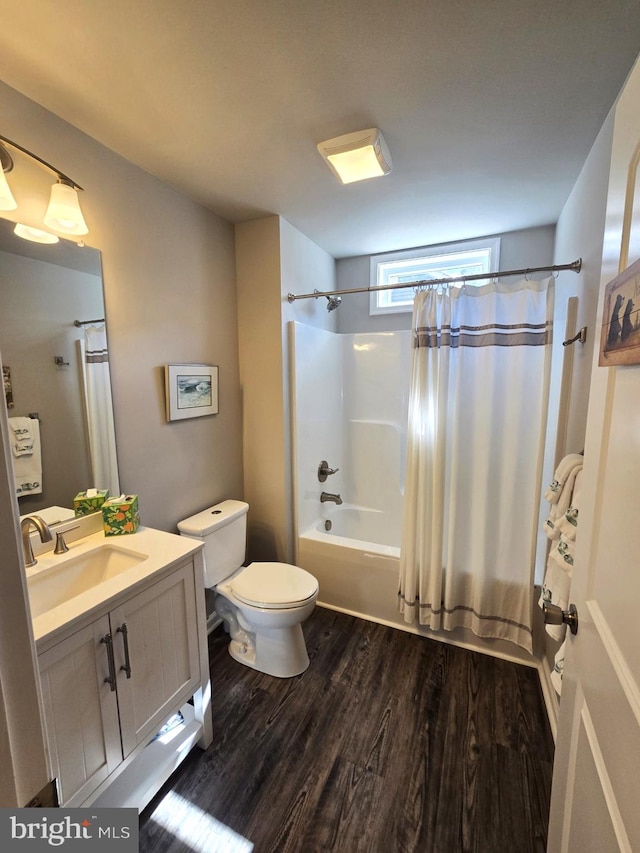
x: 388, y: 743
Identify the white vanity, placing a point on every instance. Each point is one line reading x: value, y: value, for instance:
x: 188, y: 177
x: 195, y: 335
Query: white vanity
x: 121, y: 639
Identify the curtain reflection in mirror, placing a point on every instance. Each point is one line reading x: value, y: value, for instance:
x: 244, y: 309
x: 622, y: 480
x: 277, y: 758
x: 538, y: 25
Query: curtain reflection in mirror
x: 99, y: 408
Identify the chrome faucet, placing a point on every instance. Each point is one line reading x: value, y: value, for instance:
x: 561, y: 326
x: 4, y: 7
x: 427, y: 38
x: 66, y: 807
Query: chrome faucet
x: 45, y: 536
x: 327, y: 496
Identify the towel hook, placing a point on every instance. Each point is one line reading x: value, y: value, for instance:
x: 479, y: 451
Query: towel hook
x: 581, y: 336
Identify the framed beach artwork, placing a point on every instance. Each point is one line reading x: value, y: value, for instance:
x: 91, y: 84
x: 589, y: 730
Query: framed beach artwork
x: 620, y: 338
x: 191, y: 390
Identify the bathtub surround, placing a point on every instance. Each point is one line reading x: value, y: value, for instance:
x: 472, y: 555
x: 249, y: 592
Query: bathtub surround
x: 350, y: 407
x: 475, y: 442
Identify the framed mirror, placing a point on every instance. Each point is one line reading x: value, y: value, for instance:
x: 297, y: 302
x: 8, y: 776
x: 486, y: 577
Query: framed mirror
x: 55, y: 364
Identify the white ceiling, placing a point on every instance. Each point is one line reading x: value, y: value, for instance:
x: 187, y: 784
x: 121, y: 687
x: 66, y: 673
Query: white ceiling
x: 489, y: 107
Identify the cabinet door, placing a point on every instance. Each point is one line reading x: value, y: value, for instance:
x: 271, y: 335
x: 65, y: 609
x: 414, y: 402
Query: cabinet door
x: 162, y: 639
x: 81, y: 712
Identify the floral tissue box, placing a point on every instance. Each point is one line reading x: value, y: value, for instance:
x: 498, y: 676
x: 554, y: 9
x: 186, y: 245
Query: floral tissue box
x: 89, y: 501
x: 120, y: 515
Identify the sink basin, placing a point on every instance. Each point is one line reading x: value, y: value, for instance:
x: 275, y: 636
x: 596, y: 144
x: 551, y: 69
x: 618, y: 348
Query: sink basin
x: 75, y: 575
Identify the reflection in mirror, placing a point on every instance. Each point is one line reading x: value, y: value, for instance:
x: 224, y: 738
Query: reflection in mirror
x: 55, y: 370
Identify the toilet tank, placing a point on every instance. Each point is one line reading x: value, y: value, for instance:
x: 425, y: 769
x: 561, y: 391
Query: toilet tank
x: 223, y: 529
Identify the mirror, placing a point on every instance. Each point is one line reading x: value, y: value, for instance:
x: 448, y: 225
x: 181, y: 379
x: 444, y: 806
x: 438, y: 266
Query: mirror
x: 44, y: 290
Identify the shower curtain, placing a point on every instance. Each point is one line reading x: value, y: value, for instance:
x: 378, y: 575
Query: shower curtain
x: 99, y: 408
x: 477, y: 422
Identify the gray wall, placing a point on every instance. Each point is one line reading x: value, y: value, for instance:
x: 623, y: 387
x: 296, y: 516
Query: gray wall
x: 273, y: 259
x: 169, y: 279
x: 518, y: 249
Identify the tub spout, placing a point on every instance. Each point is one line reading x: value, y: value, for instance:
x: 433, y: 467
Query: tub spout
x: 327, y: 496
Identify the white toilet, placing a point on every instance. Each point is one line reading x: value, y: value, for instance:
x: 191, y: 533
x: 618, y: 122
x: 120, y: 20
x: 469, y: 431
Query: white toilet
x: 262, y: 604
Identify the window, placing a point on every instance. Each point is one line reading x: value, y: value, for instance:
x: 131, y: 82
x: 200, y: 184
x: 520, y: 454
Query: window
x: 471, y: 257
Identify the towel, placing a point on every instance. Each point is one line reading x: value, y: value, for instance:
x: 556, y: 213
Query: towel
x: 558, y: 669
x: 27, y: 468
x: 564, y: 470
x: 556, y: 587
x: 21, y: 436
x: 568, y: 524
x: 560, y: 492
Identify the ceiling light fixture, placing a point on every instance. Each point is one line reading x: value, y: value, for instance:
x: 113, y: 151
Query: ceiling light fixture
x: 357, y: 156
x: 63, y: 213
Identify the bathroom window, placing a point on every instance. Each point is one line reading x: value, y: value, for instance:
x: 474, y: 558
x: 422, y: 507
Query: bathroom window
x: 470, y: 257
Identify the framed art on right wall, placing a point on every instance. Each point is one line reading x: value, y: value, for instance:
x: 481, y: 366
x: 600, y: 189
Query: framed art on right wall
x: 620, y: 338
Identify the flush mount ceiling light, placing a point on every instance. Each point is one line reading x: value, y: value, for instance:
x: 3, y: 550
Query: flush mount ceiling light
x: 63, y: 213
x: 357, y: 156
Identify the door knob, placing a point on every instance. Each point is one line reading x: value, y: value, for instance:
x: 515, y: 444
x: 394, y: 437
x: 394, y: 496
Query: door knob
x: 555, y: 615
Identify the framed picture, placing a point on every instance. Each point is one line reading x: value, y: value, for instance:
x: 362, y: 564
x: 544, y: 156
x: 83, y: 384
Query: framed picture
x: 191, y: 390
x: 620, y: 338
x: 8, y: 389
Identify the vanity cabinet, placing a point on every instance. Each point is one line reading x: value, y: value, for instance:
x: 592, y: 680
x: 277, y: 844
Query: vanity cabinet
x: 110, y: 685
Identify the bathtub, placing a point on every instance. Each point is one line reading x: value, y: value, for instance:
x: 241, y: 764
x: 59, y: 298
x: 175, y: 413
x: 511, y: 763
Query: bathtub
x: 356, y: 562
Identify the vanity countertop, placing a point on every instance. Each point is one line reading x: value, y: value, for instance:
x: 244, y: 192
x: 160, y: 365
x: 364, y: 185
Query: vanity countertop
x: 160, y: 550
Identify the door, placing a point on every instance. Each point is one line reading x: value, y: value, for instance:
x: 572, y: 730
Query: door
x: 155, y: 645
x: 81, y: 712
x: 595, y: 803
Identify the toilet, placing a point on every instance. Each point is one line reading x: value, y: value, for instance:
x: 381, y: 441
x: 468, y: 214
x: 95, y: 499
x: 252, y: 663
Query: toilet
x: 262, y: 605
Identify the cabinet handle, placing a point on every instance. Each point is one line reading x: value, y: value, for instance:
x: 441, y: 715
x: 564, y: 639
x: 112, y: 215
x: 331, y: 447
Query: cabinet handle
x: 126, y: 667
x: 111, y: 678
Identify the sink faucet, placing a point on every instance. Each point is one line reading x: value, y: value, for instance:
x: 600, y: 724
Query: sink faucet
x: 327, y: 496
x: 45, y: 536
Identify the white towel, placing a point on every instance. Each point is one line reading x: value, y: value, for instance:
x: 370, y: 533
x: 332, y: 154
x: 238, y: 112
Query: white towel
x: 558, y: 669
x: 564, y: 470
x: 27, y: 468
x: 562, y: 496
x: 21, y: 436
x: 556, y: 587
x: 568, y: 524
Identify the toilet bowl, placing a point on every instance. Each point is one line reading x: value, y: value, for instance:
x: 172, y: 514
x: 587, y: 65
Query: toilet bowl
x: 262, y: 604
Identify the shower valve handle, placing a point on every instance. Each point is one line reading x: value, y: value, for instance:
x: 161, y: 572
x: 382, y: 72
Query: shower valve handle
x: 324, y: 471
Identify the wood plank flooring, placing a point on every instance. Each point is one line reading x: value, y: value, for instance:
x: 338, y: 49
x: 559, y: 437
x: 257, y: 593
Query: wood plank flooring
x: 388, y: 743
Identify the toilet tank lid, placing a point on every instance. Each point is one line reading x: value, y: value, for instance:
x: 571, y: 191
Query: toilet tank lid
x: 213, y: 518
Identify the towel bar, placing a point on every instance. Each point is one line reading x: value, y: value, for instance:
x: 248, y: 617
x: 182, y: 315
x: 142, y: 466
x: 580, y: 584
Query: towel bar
x: 581, y: 336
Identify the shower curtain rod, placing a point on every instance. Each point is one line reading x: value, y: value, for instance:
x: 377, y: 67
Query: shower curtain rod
x: 576, y: 266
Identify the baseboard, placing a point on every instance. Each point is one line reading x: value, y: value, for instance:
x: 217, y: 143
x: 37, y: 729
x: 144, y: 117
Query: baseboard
x: 549, y: 695
x: 521, y: 656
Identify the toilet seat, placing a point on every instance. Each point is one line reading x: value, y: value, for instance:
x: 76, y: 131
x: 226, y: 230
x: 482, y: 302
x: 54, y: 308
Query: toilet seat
x: 274, y: 586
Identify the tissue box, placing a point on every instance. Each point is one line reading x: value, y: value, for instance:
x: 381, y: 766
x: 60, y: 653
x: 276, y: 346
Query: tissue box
x: 83, y: 505
x: 120, y: 515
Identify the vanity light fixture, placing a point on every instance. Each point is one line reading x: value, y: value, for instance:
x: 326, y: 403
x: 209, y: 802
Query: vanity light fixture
x: 7, y: 201
x: 357, y: 156
x: 63, y: 213
x: 36, y: 235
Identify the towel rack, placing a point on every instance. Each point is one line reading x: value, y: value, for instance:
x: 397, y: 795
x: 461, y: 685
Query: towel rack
x: 80, y: 323
x: 581, y: 336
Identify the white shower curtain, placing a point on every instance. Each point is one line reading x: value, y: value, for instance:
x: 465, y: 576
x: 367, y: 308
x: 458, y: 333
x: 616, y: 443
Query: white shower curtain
x: 477, y: 421
x: 99, y: 409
